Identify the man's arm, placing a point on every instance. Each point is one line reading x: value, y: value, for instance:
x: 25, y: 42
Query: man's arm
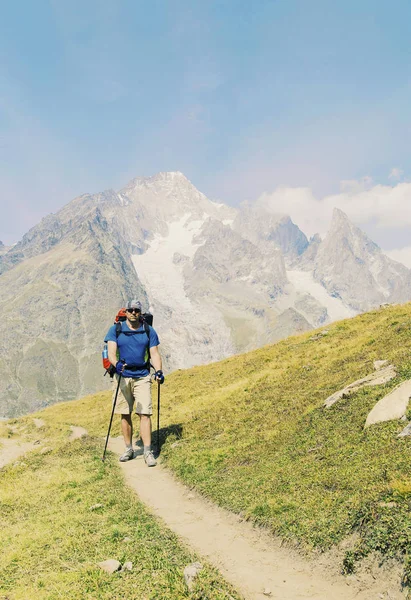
x: 112, y: 352
x: 155, y: 357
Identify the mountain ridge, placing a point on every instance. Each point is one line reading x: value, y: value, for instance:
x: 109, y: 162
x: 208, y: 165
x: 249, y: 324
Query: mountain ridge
x: 221, y: 280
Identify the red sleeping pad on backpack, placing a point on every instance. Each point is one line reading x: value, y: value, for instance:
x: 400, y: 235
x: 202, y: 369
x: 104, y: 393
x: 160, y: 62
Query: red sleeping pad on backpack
x: 120, y: 316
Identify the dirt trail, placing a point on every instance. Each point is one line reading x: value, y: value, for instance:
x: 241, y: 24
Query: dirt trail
x: 11, y: 449
x: 249, y: 558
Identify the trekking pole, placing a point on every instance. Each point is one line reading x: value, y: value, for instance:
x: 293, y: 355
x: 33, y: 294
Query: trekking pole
x: 158, y: 416
x: 112, y: 415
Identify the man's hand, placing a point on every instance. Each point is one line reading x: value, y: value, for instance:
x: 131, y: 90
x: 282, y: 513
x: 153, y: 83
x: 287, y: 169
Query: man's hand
x: 158, y: 376
x: 120, y: 366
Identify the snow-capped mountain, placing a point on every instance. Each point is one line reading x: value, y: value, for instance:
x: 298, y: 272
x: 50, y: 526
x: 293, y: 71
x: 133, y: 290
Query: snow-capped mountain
x: 219, y: 281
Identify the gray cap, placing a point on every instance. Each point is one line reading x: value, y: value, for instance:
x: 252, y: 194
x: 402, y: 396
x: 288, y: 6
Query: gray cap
x: 133, y: 304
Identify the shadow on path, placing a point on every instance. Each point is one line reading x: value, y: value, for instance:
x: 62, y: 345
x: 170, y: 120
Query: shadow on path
x: 160, y: 437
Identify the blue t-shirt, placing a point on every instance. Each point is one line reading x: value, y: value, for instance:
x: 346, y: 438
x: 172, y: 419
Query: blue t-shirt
x: 133, y: 347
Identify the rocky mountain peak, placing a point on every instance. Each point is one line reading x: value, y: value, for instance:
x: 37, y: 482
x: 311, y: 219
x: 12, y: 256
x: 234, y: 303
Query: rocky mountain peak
x: 170, y: 176
x: 352, y: 267
x: 343, y: 231
x: 306, y: 260
x: 165, y: 180
x: 339, y: 214
x: 339, y: 222
x: 265, y: 228
x: 170, y: 196
x: 315, y: 239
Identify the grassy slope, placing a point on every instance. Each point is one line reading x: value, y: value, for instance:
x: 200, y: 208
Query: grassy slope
x: 51, y: 540
x: 251, y: 434
x: 256, y: 439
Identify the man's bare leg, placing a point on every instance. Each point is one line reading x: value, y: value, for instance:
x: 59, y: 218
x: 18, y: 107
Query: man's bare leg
x: 127, y: 430
x: 145, y: 430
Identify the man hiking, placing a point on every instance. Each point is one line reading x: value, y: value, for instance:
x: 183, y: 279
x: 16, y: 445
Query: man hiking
x: 135, y: 347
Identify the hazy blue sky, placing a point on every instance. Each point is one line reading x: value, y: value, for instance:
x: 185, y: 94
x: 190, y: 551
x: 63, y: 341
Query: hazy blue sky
x: 242, y: 97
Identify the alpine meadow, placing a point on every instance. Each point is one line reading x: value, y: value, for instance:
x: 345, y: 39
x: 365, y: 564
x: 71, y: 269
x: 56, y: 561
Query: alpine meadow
x: 269, y: 451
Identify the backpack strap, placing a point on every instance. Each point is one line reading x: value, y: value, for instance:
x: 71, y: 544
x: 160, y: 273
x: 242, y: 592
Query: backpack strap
x: 147, y: 330
x: 119, y: 330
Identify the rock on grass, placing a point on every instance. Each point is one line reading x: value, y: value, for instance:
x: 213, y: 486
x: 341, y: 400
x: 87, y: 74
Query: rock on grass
x: 190, y: 573
x: 110, y: 566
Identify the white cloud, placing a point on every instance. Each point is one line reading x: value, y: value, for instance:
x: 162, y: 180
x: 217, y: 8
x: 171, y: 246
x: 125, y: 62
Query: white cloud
x: 356, y: 185
x: 395, y: 173
x: 402, y: 255
x: 385, y: 206
x: 300, y: 204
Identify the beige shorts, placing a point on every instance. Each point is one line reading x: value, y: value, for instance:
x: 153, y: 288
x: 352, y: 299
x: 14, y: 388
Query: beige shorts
x: 133, y: 390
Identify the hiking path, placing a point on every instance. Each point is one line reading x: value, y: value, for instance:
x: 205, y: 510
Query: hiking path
x: 251, y: 559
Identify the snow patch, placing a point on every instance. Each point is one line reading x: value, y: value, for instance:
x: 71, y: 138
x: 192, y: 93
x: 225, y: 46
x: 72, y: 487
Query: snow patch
x: 304, y: 282
x: 155, y: 268
x: 207, y: 337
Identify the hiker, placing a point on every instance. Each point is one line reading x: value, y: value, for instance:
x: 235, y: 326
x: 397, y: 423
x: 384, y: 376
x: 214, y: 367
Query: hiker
x: 136, y: 346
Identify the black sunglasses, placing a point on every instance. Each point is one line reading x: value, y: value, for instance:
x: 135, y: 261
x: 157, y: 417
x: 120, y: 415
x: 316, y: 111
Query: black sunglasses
x: 133, y: 310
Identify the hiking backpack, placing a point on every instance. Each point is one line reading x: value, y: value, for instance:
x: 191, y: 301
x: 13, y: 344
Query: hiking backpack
x: 146, y: 320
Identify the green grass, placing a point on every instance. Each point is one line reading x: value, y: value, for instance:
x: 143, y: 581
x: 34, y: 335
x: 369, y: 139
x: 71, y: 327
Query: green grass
x: 51, y: 541
x: 257, y: 440
x: 251, y: 434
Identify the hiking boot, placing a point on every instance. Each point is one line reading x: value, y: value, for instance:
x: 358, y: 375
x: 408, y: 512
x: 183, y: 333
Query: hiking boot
x: 149, y: 458
x: 128, y: 455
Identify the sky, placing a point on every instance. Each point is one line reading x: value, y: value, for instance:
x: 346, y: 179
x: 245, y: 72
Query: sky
x: 302, y: 105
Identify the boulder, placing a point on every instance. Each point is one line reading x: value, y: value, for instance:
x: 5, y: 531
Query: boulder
x: 405, y: 432
x: 378, y: 378
x: 392, y: 406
